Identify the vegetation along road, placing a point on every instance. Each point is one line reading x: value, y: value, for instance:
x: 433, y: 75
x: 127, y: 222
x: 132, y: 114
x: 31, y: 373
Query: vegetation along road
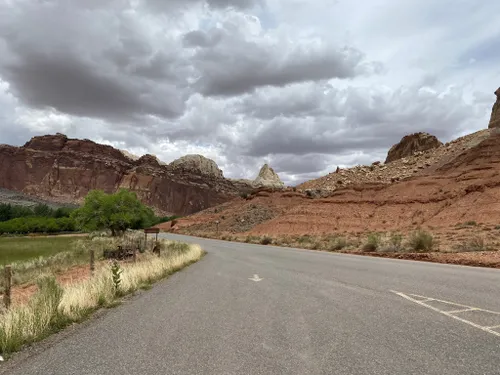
x: 251, y: 309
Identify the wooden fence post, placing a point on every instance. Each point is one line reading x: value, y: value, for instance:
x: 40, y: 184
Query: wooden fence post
x: 92, y: 262
x: 7, y: 298
x: 135, y: 253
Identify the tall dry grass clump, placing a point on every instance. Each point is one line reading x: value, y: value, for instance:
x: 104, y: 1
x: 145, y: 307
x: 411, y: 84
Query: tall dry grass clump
x: 53, y: 306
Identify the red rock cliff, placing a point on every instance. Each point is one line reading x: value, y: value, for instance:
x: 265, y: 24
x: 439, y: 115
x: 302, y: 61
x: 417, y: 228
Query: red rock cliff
x: 60, y: 169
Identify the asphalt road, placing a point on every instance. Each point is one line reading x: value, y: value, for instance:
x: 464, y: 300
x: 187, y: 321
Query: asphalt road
x: 310, y: 313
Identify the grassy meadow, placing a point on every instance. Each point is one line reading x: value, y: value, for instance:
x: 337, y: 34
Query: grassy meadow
x: 18, y: 249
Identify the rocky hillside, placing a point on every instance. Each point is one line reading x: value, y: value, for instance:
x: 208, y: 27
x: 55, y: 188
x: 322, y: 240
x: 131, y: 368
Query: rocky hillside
x: 456, y: 198
x: 410, y: 163
x: 19, y: 199
x: 59, y: 169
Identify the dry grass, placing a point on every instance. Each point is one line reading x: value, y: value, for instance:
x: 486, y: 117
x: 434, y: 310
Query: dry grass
x: 53, y: 306
x: 77, y: 253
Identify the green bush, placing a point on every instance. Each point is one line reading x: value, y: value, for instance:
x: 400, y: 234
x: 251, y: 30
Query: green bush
x: 372, y: 243
x: 9, y: 211
x: 421, y: 241
x: 394, y: 243
x: 338, y: 244
x: 37, y: 225
x: 474, y: 244
x: 266, y: 240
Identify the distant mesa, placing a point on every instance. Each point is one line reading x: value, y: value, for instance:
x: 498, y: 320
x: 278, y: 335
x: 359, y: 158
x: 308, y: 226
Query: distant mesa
x: 411, y: 144
x: 495, y: 113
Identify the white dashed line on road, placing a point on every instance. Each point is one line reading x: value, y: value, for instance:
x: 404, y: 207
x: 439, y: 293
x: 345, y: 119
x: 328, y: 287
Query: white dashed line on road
x: 421, y: 300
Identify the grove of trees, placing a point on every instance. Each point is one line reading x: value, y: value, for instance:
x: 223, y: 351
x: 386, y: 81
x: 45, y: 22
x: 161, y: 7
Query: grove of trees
x: 114, y: 212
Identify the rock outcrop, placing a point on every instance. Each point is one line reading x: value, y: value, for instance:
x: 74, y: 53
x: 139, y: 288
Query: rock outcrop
x: 268, y: 178
x: 420, y: 163
x: 412, y: 144
x: 198, y: 164
x: 495, y: 113
x: 63, y: 170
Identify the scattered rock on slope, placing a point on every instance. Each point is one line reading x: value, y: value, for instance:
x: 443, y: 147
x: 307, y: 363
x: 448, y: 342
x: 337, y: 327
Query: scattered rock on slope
x: 411, y: 144
x: 495, y: 113
x: 418, y: 163
x: 268, y: 178
x: 198, y: 163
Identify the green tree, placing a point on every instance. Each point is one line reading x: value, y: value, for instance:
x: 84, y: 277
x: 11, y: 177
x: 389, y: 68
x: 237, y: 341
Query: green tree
x: 117, y: 212
x: 42, y: 210
x: 5, y: 212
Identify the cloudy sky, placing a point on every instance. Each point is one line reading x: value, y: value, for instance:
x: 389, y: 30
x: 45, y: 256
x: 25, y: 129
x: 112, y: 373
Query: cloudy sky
x: 304, y: 85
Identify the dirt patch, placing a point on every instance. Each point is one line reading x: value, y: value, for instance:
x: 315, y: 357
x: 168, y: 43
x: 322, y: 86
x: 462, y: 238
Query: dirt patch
x: 22, y: 293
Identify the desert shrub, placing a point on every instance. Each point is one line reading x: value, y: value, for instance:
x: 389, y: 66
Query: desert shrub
x: 394, y: 243
x: 421, y: 241
x: 252, y: 239
x: 316, y: 245
x: 372, y: 243
x: 266, y: 240
x: 304, y: 239
x: 338, y: 244
x: 116, y: 275
x: 471, y: 223
x: 474, y: 244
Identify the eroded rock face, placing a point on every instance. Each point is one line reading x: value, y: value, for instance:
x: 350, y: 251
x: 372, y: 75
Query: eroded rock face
x: 411, y: 144
x: 198, y: 163
x: 495, y: 113
x: 64, y: 170
x: 268, y: 178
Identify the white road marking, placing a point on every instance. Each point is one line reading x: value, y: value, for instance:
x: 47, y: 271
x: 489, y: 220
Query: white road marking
x: 255, y: 278
x: 449, y: 314
x: 494, y: 327
x: 461, y: 311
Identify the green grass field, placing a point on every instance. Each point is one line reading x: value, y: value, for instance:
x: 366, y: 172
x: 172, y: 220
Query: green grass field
x: 13, y: 249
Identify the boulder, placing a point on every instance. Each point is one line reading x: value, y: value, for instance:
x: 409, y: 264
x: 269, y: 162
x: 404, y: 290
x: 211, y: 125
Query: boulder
x: 198, y: 164
x: 495, y: 113
x: 268, y: 178
x: 412, y: 144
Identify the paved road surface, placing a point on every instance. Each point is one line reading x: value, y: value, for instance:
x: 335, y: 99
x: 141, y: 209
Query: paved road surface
x: 311, y: 313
